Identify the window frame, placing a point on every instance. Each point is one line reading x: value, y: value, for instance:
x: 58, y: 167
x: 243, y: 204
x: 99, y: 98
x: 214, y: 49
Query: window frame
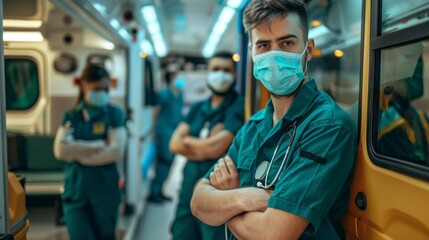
x: 39, y: 93
x: 381, y: 41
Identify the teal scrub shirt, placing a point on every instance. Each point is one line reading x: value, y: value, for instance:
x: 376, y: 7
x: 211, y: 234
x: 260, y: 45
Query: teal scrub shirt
x: 91, y: 194
x: 169, y: 117
x: 314, y: 180
x: 231, y: 113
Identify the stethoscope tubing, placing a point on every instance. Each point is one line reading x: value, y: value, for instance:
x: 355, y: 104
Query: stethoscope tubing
x: 265, y: 185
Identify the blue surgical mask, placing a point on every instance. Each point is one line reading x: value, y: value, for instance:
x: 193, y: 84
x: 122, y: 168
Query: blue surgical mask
x: 180, y: 83
x: 98, y: 98
x: 220, y: 81
x: 280, y: 72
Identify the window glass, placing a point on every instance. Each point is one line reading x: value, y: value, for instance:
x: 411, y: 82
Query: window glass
x: 22, y: 83
x: 335, y: 27
x: 399, y: 14
x: 403, y: 126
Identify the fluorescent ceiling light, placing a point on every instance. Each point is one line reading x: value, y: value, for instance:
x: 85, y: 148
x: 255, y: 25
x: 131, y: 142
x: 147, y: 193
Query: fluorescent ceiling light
x: 218, y: 30
x: 115, y: 23
x: 100, y: 8
x: 318, y: 31
x: 226, y: 15
x: 22, y: 37
x: 107, y: 45
x: 124, y: 34
x: 149, y: 15
x: 147, y: 47
x: 208, y: 50
x: 12, y: 23
x: 234, y: 3
x: 153, y: 27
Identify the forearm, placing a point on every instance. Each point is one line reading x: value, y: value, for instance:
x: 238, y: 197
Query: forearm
x: 66, y: 148
x: 270, y: 224
x: 248, y: 226
x: 213, y: 206
x: 210, y: 148
x: 109, y: 154
x: 176, y: 142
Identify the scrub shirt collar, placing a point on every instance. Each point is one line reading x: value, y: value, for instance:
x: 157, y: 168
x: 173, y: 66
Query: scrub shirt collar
x: 299, y: 106
x: 207, y: 110
x: 90, y: 112
x: 302, y: 101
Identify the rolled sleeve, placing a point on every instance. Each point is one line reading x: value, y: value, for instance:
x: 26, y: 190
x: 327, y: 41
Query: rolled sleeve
x: 118, y: 117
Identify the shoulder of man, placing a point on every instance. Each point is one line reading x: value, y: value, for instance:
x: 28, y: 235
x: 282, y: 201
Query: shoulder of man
x: 329, y: 111
x: 258, y: 115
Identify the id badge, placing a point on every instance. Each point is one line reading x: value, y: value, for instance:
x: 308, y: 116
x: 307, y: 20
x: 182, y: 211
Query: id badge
x: 98, y: 128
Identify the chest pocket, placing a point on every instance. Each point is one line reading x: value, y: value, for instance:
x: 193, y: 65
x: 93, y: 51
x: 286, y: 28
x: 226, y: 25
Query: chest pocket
x: 244, y: 167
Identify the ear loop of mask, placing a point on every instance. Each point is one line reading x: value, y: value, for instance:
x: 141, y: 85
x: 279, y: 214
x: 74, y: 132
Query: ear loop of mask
x: 306, y: 61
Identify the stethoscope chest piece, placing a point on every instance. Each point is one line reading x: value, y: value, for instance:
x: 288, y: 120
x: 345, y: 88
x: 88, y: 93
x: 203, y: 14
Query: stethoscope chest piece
x: 261, y: 171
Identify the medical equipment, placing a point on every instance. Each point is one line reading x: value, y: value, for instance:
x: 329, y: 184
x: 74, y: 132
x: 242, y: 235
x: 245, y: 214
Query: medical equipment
x: 264, y: 168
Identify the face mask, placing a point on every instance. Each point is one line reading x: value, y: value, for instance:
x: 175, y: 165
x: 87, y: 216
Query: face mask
x: 220, y: 81
x: 180, y: 83
x: 280, y: 72
x: 99, y: 98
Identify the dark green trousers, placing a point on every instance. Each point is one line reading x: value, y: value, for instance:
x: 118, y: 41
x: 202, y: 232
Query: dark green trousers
x: 185, y: 225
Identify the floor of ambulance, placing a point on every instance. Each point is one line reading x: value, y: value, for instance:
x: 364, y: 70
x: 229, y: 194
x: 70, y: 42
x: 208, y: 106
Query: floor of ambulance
x: 149, y: 221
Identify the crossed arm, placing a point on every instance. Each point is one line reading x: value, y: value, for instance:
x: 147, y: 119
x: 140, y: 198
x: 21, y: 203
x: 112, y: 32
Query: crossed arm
x: 245, y: 210
x: 90, y: 153
x: 200, y: 149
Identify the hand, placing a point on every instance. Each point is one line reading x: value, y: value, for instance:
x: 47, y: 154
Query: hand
x: 216, y: 129
x: 67, y: 132
x: 255, y: 199
x: 225, y: 175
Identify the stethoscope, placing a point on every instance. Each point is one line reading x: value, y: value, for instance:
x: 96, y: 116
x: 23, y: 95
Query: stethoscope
x: 264, y: 168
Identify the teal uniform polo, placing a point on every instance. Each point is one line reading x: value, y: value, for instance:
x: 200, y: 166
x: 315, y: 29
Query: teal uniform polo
x: 169, y: 117
x: 314, y: 180
x: 91, y: 194
x: 231, y: 113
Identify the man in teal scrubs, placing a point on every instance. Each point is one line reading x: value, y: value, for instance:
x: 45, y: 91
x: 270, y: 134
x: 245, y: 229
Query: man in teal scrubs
x: 287, y: 172
x: 202, y: 138
x: 167, y: 115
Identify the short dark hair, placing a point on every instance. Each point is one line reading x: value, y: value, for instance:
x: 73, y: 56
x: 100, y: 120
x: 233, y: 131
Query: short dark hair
x: 223, y: 54
x: 260, y: 11
x: 94, y: 72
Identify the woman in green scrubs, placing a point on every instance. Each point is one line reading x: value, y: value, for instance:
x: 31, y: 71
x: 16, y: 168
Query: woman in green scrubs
x: 90, y: 140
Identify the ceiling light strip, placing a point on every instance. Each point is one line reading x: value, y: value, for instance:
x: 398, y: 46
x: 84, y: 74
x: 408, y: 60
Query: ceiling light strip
x: 14, y: 23
x: 22, y: 37
x: 220, y: 26
x: 149, y: 15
